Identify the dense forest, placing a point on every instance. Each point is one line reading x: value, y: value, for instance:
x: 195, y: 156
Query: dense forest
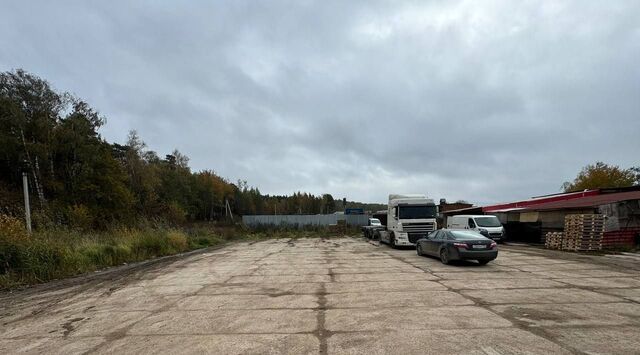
x: 79, y: 179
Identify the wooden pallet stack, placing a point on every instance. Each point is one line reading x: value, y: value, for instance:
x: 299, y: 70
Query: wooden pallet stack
x: 583, y: 232
x: 553, y: 240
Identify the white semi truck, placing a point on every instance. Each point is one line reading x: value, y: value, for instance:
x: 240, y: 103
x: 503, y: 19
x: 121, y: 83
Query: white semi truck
x: 409, y: 218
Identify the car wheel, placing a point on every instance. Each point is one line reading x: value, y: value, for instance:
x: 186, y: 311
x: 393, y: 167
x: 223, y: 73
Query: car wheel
x: 444, y: 256
x: 419, y: 250
x: 483, y: 262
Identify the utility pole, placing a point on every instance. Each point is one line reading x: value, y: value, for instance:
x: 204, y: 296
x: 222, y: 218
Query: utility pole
x: 228, y: 209
x: 27, y: 208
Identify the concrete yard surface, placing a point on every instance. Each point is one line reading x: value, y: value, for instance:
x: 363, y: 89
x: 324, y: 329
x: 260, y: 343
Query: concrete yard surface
x: 335, y: 296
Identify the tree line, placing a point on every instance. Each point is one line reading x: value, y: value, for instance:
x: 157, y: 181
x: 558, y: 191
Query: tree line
x: 600, y: 175
x: 77, y: 178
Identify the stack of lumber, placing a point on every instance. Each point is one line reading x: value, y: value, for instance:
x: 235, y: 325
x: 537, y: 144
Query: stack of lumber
x: 583, y: 232
x: 553, y: 240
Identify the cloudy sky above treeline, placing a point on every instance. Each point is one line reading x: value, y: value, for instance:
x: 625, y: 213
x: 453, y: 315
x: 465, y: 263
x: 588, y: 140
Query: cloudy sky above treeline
x: 485, y: 101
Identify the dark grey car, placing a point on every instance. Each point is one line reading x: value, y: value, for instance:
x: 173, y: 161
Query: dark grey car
x: 451, y: 245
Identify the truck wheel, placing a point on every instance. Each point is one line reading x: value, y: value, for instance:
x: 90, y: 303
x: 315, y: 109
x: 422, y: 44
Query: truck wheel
x: 392, y: 240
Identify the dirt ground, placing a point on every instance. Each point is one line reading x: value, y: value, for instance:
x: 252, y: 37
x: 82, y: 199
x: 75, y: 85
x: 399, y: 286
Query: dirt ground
x: 336, y: 296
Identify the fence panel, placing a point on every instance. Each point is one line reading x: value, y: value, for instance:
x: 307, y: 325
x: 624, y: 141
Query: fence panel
x: 304, y: 220
x: 357, y: 219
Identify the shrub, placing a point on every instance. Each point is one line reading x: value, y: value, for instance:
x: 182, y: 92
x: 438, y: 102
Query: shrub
x: 177, y: 240
x: 12, y: 229
x: 13, y: 239
x: 174, y: 213
x: 80, y: 217
x: 146, y: 244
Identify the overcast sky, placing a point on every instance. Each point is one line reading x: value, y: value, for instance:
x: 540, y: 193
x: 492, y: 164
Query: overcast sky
x: 485, y: 101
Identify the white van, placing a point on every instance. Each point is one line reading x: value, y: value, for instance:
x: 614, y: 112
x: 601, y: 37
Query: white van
x: 487, y: 225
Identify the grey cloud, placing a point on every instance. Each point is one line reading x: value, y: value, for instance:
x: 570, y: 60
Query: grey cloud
x: 463, y: 100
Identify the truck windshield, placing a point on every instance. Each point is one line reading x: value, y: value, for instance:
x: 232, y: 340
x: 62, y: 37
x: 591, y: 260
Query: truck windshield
x: 417, y: 212
x: 487, y: 221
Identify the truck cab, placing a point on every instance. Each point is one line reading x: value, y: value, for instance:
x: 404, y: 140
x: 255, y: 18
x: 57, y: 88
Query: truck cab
x: 409, y: 218
x: 374, y: 222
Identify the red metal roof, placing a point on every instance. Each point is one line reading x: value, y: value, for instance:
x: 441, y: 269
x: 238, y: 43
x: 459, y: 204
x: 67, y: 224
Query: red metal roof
x: 541, y: 200
x: 469, y: 210
x: 585, y: 202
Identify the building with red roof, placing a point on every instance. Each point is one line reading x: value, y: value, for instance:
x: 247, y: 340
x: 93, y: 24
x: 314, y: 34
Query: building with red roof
x: 529, y: 220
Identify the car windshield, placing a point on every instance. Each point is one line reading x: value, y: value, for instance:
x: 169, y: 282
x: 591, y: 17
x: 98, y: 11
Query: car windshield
x: 417, y: 212
x: 465, y: 235
x: 491, y: 221
x: 375, y: 221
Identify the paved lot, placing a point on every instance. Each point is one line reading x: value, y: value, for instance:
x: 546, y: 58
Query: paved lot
x: 337, y: 296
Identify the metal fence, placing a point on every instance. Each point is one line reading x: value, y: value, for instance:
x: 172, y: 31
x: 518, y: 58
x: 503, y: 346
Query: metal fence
x: 305, y: 220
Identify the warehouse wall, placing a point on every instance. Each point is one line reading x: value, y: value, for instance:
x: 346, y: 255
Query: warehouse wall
x: 621, y: 215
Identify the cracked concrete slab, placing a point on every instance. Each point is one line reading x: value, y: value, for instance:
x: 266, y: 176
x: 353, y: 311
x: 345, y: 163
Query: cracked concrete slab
x: 437, y: 342
x: 375, y: 270
x: 542, y: 315
x: 603, y: 282
x: 366, y: 286
x: 335, y: 296
x: 396, y: 299
x: 279, y: 279
x: 414, y: 318
x: 599, y: 340
x: 574, y: 274
x: 631, y: 294
x: 558, y: 267
x: 73, y: 324
x: 261, y: 288
x: 37, y: 345
x: 491, y: 284
x: 386, y: 276
x: 213, y: 302
x: 215, y: 344
x: 477, y: 276
x: 538, y: 295
x: 226, y: 321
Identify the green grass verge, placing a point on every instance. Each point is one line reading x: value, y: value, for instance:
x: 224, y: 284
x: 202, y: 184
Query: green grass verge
x: 58, y: 253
